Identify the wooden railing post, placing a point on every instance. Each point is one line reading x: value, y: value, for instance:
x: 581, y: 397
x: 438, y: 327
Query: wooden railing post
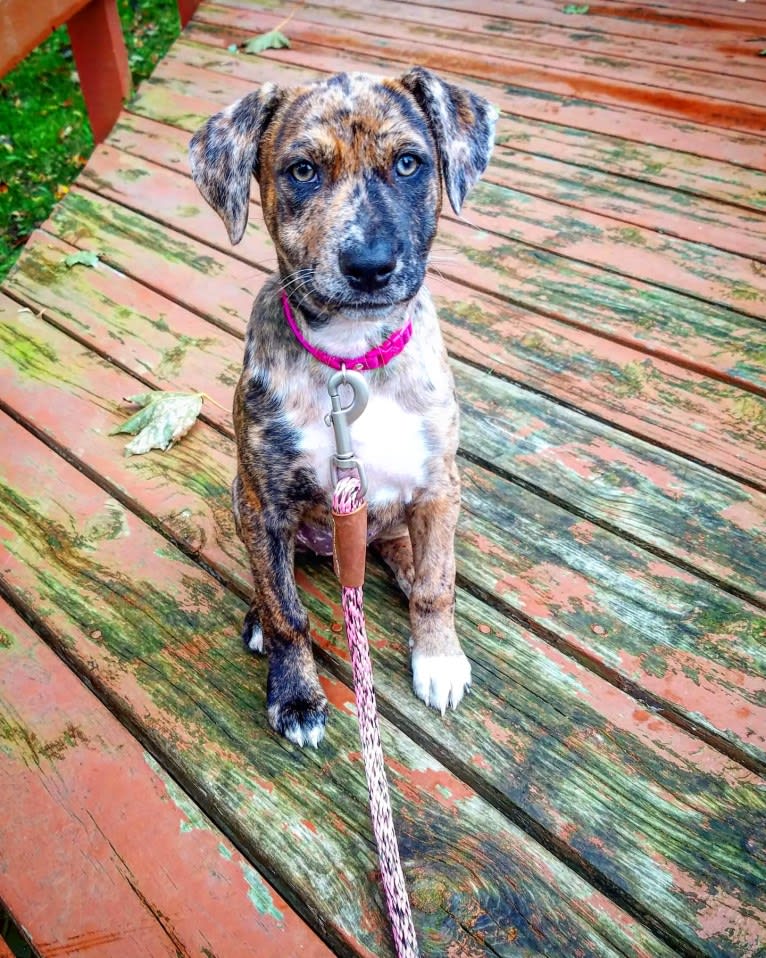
x: 186, y: 10
x: 102, y: 63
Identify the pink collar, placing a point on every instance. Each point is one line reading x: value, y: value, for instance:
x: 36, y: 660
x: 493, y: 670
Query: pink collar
x: 373, y: 359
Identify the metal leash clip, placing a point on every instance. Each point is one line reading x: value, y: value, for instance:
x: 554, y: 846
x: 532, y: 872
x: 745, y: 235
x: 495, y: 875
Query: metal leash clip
x: 341, y: 417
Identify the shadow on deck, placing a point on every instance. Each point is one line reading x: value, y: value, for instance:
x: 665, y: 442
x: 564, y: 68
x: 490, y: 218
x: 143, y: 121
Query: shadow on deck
x: 603, y: 300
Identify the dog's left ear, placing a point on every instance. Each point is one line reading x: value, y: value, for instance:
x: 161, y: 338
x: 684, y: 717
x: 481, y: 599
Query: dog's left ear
x: 224, y: 155
x: 463, y: 125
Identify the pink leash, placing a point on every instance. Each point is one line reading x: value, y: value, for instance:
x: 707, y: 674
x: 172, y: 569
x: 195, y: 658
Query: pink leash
x: 349, y: 546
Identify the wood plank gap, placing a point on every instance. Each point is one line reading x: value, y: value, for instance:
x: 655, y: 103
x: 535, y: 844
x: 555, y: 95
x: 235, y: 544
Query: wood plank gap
x: 24, y: 300
x: 450, y: 39
x: 674, y: 357
x: 8, y: 922
x: 557, y: 39
x: 565, y: 853
x: 749, y: 117
x: 171, y: 768
x: 597, y: 417
x: 613, y: 677
x: 596, y: 520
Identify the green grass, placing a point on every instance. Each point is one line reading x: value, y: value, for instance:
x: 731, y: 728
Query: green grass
x: 45, y: 138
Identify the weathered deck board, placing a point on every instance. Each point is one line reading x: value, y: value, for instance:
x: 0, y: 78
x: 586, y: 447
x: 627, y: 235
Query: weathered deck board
x: 531, y: 42
x: 663, y: 760
x: 170, y: 661
x: 610, y: 601
x: 180, y: 889
x: 619, y: 384
x: 729, y: 101
x: 517, y: 209
x: 670, y: 170
x: 633, y: 488
x: 580, y: 114
x: 234, y: 25
x: 719, y: 29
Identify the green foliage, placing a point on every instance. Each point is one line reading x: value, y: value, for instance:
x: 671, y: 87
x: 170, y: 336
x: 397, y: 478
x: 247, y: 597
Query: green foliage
x: 273, y: 40
x: 164, y: 418
x: 45, y: 138
x: 81, y: 258
x: 576, y: 8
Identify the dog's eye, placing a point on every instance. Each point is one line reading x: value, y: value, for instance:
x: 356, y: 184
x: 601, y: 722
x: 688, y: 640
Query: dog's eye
x: 303, y: 171
x: 407, y: 164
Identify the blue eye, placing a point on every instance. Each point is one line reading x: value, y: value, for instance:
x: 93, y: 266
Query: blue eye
x: 407, y: 164
x: 303, y: 171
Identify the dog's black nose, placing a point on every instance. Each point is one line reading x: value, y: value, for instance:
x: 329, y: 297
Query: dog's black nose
x: 370, y: 267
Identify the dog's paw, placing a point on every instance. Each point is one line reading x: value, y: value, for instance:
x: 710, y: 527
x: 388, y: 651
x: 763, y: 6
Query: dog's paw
x: 301, y: 721
x: 252, y: 633
x: 440, y: 680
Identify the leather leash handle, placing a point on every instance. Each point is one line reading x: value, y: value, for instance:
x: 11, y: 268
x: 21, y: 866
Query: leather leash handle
x: 349, y: 546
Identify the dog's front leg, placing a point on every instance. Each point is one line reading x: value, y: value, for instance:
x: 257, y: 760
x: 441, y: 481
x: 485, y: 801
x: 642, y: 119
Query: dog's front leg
x: 277, y: 623
x: 441, y: 673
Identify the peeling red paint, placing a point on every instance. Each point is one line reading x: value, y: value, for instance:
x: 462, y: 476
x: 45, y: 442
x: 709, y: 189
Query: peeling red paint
x: 746, y: 515
x: 480, y: 762
x: 582, y: 531
x: 338, y: 694
x: 448, y: 790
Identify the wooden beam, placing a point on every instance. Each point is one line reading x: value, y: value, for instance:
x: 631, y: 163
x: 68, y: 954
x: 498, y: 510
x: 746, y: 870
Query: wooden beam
x: 125, y: 863
x: 186, y: 10
x: 102, y: 63
x: 21, y: 31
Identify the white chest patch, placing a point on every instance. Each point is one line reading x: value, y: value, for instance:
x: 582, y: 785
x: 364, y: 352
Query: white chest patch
x: 390, y: 443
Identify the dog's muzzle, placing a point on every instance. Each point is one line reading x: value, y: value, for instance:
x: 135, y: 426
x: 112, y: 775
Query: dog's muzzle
x: 369, y: 268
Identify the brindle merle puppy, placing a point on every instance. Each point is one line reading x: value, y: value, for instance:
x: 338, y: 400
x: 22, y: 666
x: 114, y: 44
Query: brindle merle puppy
x: 351, y: 172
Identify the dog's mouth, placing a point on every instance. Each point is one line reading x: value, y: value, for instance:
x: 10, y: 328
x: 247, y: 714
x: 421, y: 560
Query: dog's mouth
x: 318, y: 310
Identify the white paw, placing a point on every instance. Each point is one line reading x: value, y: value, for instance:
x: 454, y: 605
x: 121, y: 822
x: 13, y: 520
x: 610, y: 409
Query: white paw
x: 440, y: 680
x: 302, y: 724
x: 254, y: 641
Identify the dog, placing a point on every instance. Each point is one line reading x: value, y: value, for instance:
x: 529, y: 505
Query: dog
x: 351, y: 172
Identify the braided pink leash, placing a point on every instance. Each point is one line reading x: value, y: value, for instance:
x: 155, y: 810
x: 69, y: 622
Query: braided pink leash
x: 348, y: 499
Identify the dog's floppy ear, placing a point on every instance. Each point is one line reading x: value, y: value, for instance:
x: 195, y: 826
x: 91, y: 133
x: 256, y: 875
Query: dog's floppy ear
x: 224, y: 155
x: 463, y: 125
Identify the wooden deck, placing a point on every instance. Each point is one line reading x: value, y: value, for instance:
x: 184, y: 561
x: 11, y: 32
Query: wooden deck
x: 604, y: 303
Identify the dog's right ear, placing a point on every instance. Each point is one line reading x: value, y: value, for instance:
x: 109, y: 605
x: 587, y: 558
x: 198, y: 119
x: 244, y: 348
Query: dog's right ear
x: 224, y: 155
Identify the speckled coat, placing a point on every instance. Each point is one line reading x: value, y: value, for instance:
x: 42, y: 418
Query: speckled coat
x: 350, y: 172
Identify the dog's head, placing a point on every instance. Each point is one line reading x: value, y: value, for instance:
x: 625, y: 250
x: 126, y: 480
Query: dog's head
x: 350, y: 172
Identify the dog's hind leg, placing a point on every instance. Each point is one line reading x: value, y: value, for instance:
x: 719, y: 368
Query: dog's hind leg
x: 297, y: 707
